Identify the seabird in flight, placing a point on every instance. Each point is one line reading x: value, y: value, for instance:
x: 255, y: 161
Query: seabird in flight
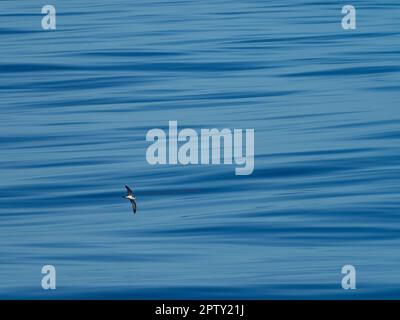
x: 131, y: 198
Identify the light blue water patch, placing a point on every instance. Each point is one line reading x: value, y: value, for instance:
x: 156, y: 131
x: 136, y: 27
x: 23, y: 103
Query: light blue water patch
x: 76, y: 104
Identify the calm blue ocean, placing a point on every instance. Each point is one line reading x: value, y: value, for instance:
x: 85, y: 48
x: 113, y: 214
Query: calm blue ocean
x: 76, y: 104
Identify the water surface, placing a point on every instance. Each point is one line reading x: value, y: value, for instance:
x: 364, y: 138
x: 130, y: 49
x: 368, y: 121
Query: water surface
x: 75, y: 107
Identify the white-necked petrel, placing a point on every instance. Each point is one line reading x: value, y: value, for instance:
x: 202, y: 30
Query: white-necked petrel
x: 131, y: 198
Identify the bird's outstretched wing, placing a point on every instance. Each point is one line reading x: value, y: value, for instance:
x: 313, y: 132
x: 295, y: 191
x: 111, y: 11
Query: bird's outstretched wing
x: 133, y: 203
x: 128, y: 190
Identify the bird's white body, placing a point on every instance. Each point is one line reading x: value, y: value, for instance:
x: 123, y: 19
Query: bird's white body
x: 130, y: 197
